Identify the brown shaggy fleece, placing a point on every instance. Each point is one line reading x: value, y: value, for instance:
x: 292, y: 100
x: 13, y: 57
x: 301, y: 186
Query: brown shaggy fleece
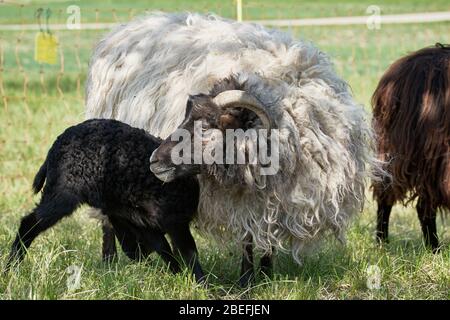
x: 411, y: 108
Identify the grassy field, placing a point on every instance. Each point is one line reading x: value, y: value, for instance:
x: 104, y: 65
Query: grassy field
x: 29, y: 126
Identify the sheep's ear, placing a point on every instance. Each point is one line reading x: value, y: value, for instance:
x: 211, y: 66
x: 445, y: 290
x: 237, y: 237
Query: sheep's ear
x: 189, y: 106
x: 228, y: 121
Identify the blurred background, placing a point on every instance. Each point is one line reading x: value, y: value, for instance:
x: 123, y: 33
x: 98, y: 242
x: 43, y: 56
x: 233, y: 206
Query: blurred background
x: 361, y: 52
x: 44, y: 53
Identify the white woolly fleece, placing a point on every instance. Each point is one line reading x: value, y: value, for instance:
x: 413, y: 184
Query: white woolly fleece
x: 142, y: 72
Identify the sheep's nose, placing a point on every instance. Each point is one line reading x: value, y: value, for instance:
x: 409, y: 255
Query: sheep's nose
x: 153, y: 158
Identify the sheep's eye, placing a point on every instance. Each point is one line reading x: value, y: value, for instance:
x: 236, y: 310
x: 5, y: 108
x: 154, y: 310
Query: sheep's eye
x: 249, y: 124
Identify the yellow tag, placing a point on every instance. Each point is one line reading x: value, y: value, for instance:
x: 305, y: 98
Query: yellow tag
x: 46, y: 48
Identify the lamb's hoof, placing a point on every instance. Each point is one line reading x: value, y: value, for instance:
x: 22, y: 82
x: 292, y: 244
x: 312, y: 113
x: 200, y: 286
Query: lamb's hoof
x: 7, y: 269
x: 246, y: 280
x: 13, y: 260
x: 109, y: 258
x: 203, y: 282
x: 200, y: 277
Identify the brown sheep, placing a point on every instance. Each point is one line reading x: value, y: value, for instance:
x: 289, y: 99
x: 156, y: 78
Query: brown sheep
x: 411, y: 107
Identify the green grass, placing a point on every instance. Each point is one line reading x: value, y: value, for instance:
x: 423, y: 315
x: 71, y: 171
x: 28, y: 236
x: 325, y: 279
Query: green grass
x: 28, y: 127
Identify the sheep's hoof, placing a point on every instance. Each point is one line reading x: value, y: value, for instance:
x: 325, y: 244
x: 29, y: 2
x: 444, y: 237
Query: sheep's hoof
x: 382, y: 240
x: 266, y: 272
x: 266, y: 267
x: 436, y: 249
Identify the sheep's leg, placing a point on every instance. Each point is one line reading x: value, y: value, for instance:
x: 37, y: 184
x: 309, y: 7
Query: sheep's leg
x: 44, y: 216
x: 109, y: 250
x: 266, y: 264
x: 247, y: 272
x: 184, y: 243
x: 427, y: 217
x: 383, y: 214
x: 385, y: 197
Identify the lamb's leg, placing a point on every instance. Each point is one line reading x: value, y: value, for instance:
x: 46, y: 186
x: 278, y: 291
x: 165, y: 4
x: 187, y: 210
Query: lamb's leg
x: 184, y: 243
x: 44, y: 216
x: 127, y: 237
x: 109, y: 250
x: 266, y: 264
x: 427, y: 217
x: 247, y: 272
x: 139, y: 242
x: 156, y: 241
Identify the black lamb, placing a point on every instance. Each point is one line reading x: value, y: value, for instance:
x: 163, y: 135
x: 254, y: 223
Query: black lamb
x: 105, y: 164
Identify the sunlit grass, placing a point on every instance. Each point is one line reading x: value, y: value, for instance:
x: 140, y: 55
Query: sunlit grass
x: 28, y: 127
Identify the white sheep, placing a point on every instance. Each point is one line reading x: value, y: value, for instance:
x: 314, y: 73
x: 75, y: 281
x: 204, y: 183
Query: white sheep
x: 142, y: 73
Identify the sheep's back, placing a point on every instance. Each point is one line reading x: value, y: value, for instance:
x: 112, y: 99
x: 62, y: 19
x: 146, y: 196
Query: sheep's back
x: 102, y: 160
x: 412, y: 121
x: 106, y: 164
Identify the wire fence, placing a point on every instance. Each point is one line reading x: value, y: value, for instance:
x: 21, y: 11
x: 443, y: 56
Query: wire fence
x: 28, y: 70
x: 22, y: 75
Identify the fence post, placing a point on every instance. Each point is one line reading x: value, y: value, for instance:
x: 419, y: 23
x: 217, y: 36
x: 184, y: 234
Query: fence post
x: 239, y: 10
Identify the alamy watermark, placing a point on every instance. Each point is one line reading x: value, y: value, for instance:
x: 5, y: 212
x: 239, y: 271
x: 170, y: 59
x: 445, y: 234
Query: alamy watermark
x: 373, y: 21
x: 73, y: 21
x: 373, y: 274
x: 74, y: 279
x: 252, y: 146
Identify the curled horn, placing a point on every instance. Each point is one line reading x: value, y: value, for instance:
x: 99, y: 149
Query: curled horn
x: 241, y: 99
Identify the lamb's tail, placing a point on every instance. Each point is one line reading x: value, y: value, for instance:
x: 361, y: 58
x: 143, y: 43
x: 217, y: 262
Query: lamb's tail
x: 39, y: 179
